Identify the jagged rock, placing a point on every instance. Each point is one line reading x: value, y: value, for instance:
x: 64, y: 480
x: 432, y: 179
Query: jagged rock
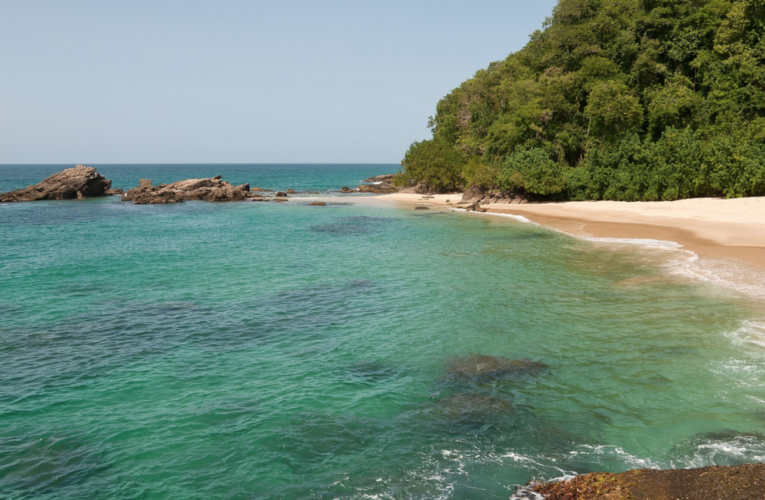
x: 317, y: 204
x: 244, y: 187
x: 70, y: 184
x: 474, y: 193
x: 213, y: 189
x: 743, y: 482
x: 385, y: 178
x: 481, y: 367
x: 144, y: 183
x: 280, y: 194
x: 377, y: 188
x: 475, y: 207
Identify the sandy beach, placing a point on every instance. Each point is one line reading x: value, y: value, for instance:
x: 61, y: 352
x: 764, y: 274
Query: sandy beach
x: 710, y: 227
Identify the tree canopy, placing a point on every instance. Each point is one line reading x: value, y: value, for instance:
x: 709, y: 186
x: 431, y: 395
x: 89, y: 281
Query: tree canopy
x: 612, y: 99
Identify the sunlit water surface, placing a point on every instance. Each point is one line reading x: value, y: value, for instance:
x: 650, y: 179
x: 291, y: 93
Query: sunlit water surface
x: 261, y: 350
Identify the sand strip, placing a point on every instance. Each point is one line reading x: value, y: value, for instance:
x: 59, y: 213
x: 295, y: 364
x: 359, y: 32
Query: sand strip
x: 710, y: 227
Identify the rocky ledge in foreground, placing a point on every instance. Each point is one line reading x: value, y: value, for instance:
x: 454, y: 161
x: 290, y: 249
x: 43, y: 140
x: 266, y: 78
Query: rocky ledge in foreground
x: 744, y: 482
x: 213, y: 189
x: 70, y: 184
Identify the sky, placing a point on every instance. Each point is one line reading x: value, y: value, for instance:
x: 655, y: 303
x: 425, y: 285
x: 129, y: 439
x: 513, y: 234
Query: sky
x: 235, y: 81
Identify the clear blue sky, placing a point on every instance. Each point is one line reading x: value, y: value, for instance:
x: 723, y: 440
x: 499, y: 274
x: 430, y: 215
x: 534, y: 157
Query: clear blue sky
x: 239, y: 81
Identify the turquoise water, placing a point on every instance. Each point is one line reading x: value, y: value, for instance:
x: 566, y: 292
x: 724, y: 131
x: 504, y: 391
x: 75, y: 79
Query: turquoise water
x: 260, y: 350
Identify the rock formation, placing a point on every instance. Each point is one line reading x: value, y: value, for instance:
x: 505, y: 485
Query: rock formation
x: 381, y: 184
x: 213, y: 189
x: 744, y: 482
x: 70, y: 184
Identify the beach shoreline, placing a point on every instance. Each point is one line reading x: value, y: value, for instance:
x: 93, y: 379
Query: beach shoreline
x: 709, y: 227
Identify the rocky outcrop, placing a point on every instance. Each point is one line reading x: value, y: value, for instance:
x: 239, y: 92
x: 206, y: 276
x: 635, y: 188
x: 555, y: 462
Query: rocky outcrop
x: 213, y: 189
x: 377, y: 188
x: 744, y: 482
x: 70, y: 184
x: 114, y: 192
x: 346, y: 189
x: 474, y: 207
x: 379, y: 184
x: 474, y: 193
x: 385, y: 178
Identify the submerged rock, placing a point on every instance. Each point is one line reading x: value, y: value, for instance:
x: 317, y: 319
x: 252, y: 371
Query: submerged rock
x: 421, y: 208
x: 70, y: 184
x: 317, y: 204
x: 346, y: 189
x: 281, y: 194
x: 483, y: 367
x: 213, y: 189
x: 475, y: 409
x: 744, y: 482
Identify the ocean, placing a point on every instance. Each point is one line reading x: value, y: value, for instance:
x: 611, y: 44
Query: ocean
x: 286, y: 351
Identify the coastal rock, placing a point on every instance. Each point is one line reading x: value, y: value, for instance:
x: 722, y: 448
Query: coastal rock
x: 244, y: 187
x: 474, y: 193
x: 384, y: 178
x: 280, y: 194
x: 346, y: 189
x: 144, y: 183
x: 291, y: 191
x: 744, y: 482
x: 114, y: 192
x: 317, y: 204
x: 377, y: 188
x: 213, y: 189
x: 380, y: 184
x: 421, y: 208
x: 70, y: 184
x: 481, y: 367
x: 422, y: 188
x: 475, y: 207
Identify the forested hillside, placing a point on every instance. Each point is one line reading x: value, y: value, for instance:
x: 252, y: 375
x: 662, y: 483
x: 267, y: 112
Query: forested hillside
x: 612, y: 99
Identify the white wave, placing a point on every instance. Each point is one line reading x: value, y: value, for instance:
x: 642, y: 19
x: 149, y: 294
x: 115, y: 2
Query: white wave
x: 739, y: 449
x: 519, y: 218
x: 617, y: 452
x: 660, y: 244
x: 751, y: 332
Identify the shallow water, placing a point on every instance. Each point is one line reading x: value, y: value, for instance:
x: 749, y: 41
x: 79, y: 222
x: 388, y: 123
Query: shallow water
x: 257, y: 350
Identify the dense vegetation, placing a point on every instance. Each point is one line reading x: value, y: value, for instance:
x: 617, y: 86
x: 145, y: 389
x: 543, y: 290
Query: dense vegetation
x: 613, y: 99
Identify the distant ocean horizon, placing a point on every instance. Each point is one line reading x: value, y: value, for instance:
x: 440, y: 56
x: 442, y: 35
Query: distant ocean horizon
x: 281, y: 350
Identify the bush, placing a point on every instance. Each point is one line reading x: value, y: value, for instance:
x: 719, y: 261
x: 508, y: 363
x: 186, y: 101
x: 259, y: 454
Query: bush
x: 533, y: 171
x: 435, y: 162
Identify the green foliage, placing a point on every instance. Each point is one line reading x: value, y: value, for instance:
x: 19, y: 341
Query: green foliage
x: 613, y: 99
x: 435, y: 162
x: 533, y: 171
